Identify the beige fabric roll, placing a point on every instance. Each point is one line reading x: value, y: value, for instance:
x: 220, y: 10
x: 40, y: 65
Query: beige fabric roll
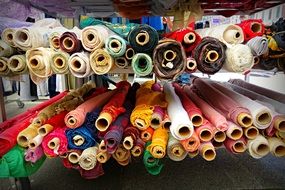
x: 234, y: 131
x: 207, y: 151
x: 17, y: 64
x: 39, y: 63
x: 88, y: 158
x: 101, y: 61
x: 35, y: 142
x: 74, y: 157
x: 175, y: 150
x: 122, y: 156
x: 79, y: 65
x: 8, y: 35
x: 258, y: 147
x: 250, y: 132
x: 59, y: 63
x: 103, y: 157
x: 4, y: 69
x: 277, y: 146
x: 5, y: 49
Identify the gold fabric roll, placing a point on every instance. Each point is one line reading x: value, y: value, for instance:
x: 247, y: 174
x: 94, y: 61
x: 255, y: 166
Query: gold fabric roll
x: 27, y: 135
x: 101, y: 61
x: 59, y: 63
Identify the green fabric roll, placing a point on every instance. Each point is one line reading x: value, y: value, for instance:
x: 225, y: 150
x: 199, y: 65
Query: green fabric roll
x: 115, y: 45
x: 13, y: 164
x: 142, y: 64
x: 120, y: 29
x: 153, y: 167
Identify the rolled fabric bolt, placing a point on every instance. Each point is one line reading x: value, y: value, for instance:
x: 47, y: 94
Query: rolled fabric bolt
x: 27, y: 134
x: 166, y: 123
x: 193, y: 154
x: 70, y: 41
x: 78, y: 140
x: 205, y: 132
x: 103, y: 157
x: 130, y: 135
x: 138, y: 148
x: 252, y: 28
x: 17, y: 64
x: 59, y: 63
x: 142, y: 64
x: 219, y: 136
x: 8, y: 35
x: 258, y: 45
x: 175, y: 150
x: 157, y: 117
x: 74, y: 156
x: 159, y: 142
x: 45, y: 129
x: 101, y: 61
x: 146, y: 135
x: 235, y: 146
x: 277, y: 146
x: 256, y: 60
x: 4, y: 69
x: 88, y: 160
x: 234, y: 131
x: 258, y: 147
x: 102, y: 146
x: 128, y: 143
x: 191, y: 144
x: 35, y: 142
x: 54, y: 37
x: 121, y: 62
x: 251, y: 132
x: 54, y: 143
x: 115, y: 45
x: 33, y: 155
x: 279, y: 124
x: 207, y: 151
x: 181, y: 126
x: 191, y: 65
x: 280, y: 135
x: 152, y: 165
x: 79, y: 65
x: 122, y: 156
x: 129, y: 54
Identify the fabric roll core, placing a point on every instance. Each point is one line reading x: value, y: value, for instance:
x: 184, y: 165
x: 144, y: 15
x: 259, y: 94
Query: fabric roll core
x: 184, y: 131
x: 10, y: 36
x: 68, y: 43
x: 115, y: 45
x: 197, y: 120
x: 220, y: 136
x: 208, y: 152
x: 212, y: 56
x: 73, y: 157
x: 45, y: 129
x: 262, y: 149
x: 121, y: 62
x: 280, y: 150
x: 189, y: 38
x: 55, y: 43
x: 59, y: 62
x: 239, y: 147
x: 103, y: 122
x: 128, y: 143
x: 169, y: 55
x: 90, y: 37
x: 14, y: 63
x: 78, y: 140
x: 251, y: 132
x: 54, y: 143
x: 22, y: 139
x: 191, y: 64
x: 76, y: 65
x: 256, y: 27
x: 264, y: 118
x: 236, y: 134
x: 22, y: 36
x: 130, y: 53
x: 256, y: 60
x: 279, y: 124
x: 142, y: 38
x: 245, y: 120
x: 34, y: 63
x: 205, y: 135
x: 136, y: 151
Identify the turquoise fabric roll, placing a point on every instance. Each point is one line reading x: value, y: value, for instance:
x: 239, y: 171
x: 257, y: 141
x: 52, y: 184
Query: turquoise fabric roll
x: 142, y: 64
x: 115, y: 45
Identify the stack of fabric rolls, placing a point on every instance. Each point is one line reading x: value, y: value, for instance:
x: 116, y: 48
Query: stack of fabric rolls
x: 87, y: 127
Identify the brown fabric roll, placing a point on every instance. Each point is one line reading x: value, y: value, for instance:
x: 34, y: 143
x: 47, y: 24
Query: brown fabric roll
x: 69, y: 42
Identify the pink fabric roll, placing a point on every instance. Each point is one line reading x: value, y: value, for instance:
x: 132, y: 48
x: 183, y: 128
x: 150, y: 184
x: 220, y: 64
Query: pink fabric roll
x: 76, y: 117
x: 235, y: 146
x: 217, y: 119
x: 206, y: 130
x: 222, y: 103
x: 33, y: 155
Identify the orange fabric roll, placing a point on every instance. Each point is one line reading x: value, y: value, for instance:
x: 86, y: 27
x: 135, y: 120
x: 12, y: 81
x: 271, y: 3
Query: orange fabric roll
x: 146, y: 135
x: 191, y: 144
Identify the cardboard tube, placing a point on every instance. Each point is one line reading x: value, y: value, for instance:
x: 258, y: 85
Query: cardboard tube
x: 158, y: 152
x: 142, y: 38
x: 59, y: 62
x: 191, y: 64
x: 264, y: 118
x: 21, y: 36
x: 245, y: 120
x: 130, y: 53
x: 229, y: 35
x: 279, y: 124
x: 115, y: 45
x: 73, y: 157
x: 169, y: 55
x: 45, y: 129
x: 193, y: 154
x: 156, y: 120
x: 250, y: 132
x: 166, y: 123
x: 35, y: 62
x: 54, y: 143
x: 212, y: 56
x: 68, y: 43
x: 189, y: 38
x: 121, y: 154
x: 239, y: 147
x: 277, y: 147
x: 177, y: 151
x: 102, y: 146
x: 219, y: 136
x: 103, y: 157
x: 136, y: 151
x: 26, y: 135
x: 207, y: 151
x: 35, y: 142
x: 128, y: 143
x: 140, y: 124
x: 256, y: 27
x: 234, y: 131
x: 78, y: 140
x: 103, y: 122
x: 76, y: 65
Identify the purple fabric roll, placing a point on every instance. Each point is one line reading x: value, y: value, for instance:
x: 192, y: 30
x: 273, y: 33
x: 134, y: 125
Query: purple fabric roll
x: 34, y: 155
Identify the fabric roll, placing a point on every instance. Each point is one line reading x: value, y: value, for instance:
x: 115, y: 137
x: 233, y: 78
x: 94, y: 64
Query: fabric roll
x: 93, y: 37
x: 121, y: 62
x: 191, y: 144
x: 17, y: 64
x: 192, y: 110
x: 54, y: 37
x: 33, y: 155
x: 35, y: 142
x: 181, y: 126
x: 166, y: 123
x: 115, y: 46
x: 157, y: 117
x: 210, y: 55
x: 55, y: 143
x: 262, y: 115
x: 146, y: 135
x: 219, y: 136
x: 13, y: 164
x: 159, y: 142
x: 217, y: 144
x: 138, y: 148
x: 74, y: 156
x: 70, y: 41
x: 250, y: 132
x: 252, y: 28
x: 79, y: 65
x: 27, y: 135
x: 152, y: 164
x: 260, y: 90
x: 146, y: 99
x: 142, y: 64
x: 114, y: 107
x: 217, y: 119
x: 130, y: 136
x: 258, y: 147
x: 229, y: 34
x: 206, y: 131
x: 169, y: 59
x: 258, y: 45
x: 234, y: 131
x: 31, y: 37
x: 76, y: 117
x: 8, y: 35
x: 129, y: 54
x: 224, y: 104
x: 238, y: 58
x: 191, y: 65
x: 207, y: 151
x: 122, y: 156
x: 4, y: 69
x: 5, y: 49
x: 277, y: 147
x: 101, y: 61
x: 94, y: 173
x: 188, y: 38
x: 103, y: 157
x: 175, y: 150
x: 87, y: 160
x: 59, y: 63
x: 39, y: 63
x: 235, y: 146
x: 143, y: 38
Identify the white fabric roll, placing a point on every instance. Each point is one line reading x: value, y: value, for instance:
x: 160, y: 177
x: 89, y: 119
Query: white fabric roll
x: 258, y: 147
x: 88, y: 158
x: 175, y: 150
x: 181, y: 126
x: 277, y: 147
x: 79, y: 65
x: 5, y: 49
x: 48, y: 23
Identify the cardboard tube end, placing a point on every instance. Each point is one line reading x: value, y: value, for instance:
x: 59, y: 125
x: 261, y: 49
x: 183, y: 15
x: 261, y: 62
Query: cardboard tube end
x: 103, y: 122
x: 245, y: 120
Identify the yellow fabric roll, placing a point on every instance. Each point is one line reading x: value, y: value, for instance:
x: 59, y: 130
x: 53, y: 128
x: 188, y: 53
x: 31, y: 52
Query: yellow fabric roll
x: 27, y: 135
x: 101, y: 61
x: 157, y: 148
x: 17, y: 64
x: 8, y: 35
x: 272, y: 44
x: 277, y: 146
x: 103, y: 157
x: 45, y: 129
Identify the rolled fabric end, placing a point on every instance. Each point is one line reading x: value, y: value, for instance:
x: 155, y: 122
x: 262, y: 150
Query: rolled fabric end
x: 205, y: 135
x: 277, y: 147
x: 219, y: 136
x: 231, y: 36
x: 146, y: 135
x: 169, y: 55
x: 245, y: 120
x: 54, y: 143
x: 212, y: 56
x: 103, y: 122
x: 189, y: 38
x: 192, y: 143
x: 121, y: 62
x: 235, y: 146
x: 256, y: 60
x: 45, y: 129
x: 197, y: 120
x: 191, y: 65
x: 193, y: 154
x: 279, y: 124
x: 256, y: 27
x: 78, y: 140
x: 74, y: 119
x: 68, y: 43
x: 258, y: 147
x: 142, y: 38
x: 250, y: 132
x: 128, y: 142
x: 234, y: 131
x: 264, y: 118
x: 73, y: 157
x: 35, y: 142
x: 137, y: 151
x: 88, y: 160
x: 26, y: 135
x: 166, y: 123
x: 103, y: 157
x: 157, y: 117
x: 130, y: 53
x: 207, y: 151
x: 140, y: 124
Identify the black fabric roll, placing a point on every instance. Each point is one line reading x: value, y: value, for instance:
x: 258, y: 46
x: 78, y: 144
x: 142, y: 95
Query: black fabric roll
x: 267, y: 64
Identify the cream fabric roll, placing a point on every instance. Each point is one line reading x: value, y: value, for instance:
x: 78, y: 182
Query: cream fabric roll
x: 181, y: 126
x: 88, y: 158
x: 277, y: 147
x: 175, y: 150
x: 8, y: 35
x: 59, y: 62
x: 258, y: 147
x: 5, y: 49
x: 234, y: 131
x: 17, y: 64
x: 79, y: 65
x: 4, y: 69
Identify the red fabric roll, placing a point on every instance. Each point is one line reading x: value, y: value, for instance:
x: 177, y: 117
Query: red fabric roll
x: 57, y: 120
x: 252, y: 28
x: 96, y: 172
x: 146, y: 135
x: 180, y: 35
x: 229, y: 144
